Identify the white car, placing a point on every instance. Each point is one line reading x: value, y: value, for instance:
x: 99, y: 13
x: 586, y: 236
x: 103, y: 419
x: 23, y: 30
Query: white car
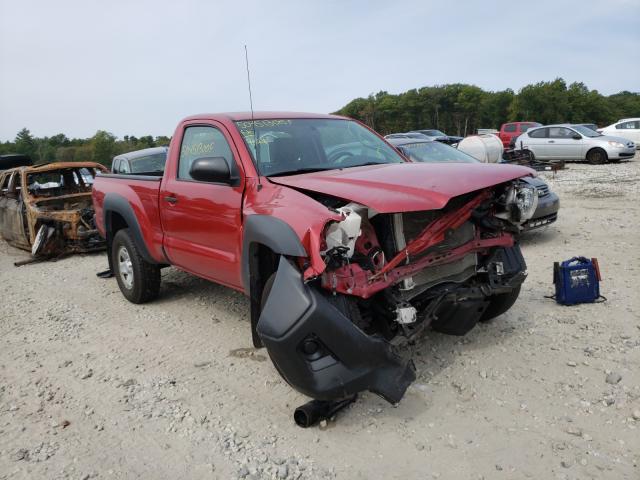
x: 573, y: 142
x: 628, y: 128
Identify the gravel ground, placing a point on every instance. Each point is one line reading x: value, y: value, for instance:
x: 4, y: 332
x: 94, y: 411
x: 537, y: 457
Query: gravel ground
x: 94, y: 387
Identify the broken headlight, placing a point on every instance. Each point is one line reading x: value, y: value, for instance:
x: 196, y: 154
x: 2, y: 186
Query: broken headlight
x: 526, y: 199
x: 520, y: 203
x: 342, y: 236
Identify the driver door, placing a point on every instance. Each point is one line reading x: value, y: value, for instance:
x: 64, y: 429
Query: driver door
x: 202, y: 220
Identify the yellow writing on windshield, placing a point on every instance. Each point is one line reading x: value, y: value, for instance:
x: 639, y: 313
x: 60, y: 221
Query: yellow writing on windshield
x: 197, y: 149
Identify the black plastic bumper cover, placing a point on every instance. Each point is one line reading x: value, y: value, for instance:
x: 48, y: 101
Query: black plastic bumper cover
x: 319, y: 351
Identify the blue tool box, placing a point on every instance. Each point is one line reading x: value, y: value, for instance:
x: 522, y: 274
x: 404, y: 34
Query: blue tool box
x: 577, y: 281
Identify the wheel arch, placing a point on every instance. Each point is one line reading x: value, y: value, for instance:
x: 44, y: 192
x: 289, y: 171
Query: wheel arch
x: 118, y: 214
x: 265, y: 240
x: 593, y: 149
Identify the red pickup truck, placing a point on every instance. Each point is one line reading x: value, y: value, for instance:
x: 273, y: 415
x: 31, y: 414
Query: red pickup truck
x: 340, y: 242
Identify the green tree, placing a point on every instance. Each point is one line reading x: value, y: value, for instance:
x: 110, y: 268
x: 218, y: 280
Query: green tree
x: 104, y: 147
x: 25, y: 143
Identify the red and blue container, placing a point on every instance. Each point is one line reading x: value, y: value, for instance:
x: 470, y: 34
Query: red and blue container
x: 577, y: 281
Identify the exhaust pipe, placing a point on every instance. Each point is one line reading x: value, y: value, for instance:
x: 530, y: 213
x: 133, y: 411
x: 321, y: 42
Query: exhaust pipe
x: 315, y: 411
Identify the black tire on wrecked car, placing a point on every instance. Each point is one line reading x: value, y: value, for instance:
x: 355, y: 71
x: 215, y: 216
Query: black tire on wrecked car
x: 530, y: 155
x: 596, y: 156
x: 499, y: 304
x: 139, y: 280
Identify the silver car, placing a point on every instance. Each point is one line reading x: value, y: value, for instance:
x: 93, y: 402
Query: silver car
x: 574, y: 142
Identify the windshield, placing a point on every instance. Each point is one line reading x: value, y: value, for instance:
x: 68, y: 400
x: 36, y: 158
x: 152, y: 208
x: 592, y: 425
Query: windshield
x: 587, y: 132
x: 433, y: 133
x: 288, y: 146
x: 149, y: 164
x: 55, y: 183
x: 435, y: 152
x: 526, y: 126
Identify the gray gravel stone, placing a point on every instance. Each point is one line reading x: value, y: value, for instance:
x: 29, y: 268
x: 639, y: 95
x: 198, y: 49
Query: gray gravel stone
x: 613, y: 378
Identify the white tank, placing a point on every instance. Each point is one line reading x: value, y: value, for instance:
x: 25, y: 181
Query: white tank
x: 485, y: 148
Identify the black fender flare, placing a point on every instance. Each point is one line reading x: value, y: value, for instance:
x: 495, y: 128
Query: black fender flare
x: 281, y: 239
x: 271, y: 232
x: 114, y: 203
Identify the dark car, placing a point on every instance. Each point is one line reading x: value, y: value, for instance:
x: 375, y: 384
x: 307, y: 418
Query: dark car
x: 141, y: 162
x: 13, y: 160
x: 429, y: 151
x: 406, y: 135
x: 439, y: 136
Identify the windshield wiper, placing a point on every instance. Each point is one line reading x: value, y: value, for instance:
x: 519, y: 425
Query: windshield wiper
x: 370, y: 163
x: 300, y: 170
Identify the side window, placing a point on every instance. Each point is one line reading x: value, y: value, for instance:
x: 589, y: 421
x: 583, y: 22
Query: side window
x: 115, y: 166
x: 628, y: 125
x: 124, y: 166
x: 560, y: 132
x: 199, y: 142
x: 510, y: 127
x: 539, y: 133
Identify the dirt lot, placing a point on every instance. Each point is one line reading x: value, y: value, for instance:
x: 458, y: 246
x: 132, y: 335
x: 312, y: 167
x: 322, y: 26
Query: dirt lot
x: 94, y: 387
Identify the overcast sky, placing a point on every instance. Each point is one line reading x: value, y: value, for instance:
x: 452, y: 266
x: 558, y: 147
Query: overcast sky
x: 137, y: 67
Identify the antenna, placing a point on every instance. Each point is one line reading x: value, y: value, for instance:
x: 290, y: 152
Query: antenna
x: 253, y: 122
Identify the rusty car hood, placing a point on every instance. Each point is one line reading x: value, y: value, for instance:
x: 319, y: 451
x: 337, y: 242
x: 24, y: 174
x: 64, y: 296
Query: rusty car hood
x: 404, y: 187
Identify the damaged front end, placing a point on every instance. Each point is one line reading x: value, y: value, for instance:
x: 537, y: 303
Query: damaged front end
x: 385, y: 278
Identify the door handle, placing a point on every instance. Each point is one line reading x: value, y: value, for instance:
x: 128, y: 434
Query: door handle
x: 171, y: 199
x: 552, y: 141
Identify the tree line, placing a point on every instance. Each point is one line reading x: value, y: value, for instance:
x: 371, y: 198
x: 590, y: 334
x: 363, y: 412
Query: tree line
x: 460, y: 109
x: 101, y: 148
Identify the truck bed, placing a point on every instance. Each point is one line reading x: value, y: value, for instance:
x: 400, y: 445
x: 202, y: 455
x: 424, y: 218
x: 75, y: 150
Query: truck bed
x: 142, y: 193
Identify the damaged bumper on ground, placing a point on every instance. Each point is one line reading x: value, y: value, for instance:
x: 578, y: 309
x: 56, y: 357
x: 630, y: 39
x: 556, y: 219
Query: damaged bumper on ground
x: 319, y: 351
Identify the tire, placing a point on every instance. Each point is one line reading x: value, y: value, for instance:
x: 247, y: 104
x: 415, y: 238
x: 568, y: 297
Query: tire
x: 139, y: 280
x: 531, y: 155
x: 499, y: 304
x: 596, y: 156
x: 266, y: 290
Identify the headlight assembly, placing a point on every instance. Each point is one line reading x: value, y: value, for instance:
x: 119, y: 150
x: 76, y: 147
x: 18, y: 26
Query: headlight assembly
x: 616, y: 144
x: 520, y: 203
x: 526, y: 199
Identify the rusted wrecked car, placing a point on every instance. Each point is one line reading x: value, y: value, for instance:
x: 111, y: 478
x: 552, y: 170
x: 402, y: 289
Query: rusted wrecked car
x: 47, y: 209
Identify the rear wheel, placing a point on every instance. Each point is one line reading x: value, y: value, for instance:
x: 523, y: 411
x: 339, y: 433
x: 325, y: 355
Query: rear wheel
x: 597, y: 156
x: 499, y: 304
x: 139, y: 280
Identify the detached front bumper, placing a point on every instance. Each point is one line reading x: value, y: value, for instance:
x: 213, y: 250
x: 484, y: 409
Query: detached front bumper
x: 319, y: 351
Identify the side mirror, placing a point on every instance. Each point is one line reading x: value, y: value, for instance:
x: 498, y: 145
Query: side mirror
x: 576, y: 136
x: 210, y: 169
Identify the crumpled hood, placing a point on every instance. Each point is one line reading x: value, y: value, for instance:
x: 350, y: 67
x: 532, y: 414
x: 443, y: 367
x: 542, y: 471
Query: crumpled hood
x: 404, y: 187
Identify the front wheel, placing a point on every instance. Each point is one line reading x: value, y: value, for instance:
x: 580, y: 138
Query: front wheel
x: 499, y: 304
x: 139, y: 280
x: 597, y: 156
